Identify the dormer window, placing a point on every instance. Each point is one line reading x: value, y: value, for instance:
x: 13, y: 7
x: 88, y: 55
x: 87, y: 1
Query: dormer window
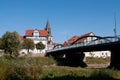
x: 36, y: 33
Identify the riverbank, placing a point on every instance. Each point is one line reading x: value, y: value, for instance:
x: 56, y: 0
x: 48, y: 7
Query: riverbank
x: 45, y: 68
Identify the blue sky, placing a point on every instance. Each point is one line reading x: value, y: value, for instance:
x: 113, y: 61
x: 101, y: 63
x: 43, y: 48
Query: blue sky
x: 67, y: 17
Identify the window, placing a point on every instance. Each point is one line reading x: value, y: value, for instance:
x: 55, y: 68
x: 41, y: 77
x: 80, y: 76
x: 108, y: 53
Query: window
x: 36, y: 33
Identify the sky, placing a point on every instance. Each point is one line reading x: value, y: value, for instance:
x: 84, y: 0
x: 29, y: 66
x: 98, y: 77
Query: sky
x: 66, y: 17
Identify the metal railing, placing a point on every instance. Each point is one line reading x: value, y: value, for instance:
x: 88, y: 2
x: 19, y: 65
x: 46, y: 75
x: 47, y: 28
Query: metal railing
x: 101, y: 40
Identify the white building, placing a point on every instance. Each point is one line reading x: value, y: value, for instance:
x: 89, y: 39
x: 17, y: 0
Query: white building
x: 37, y: 36
x: 98, y: 54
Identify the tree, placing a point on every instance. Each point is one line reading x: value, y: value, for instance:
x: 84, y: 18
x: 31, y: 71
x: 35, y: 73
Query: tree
x: 0, y: 43
x: 40, y: 46
x: 11, y: 42
x: 28, y: 44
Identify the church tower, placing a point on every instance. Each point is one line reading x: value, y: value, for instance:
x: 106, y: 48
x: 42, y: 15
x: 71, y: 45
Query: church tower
x: 48, y: 29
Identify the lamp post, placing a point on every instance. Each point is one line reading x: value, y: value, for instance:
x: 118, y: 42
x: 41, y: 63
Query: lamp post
x: 115, y: 32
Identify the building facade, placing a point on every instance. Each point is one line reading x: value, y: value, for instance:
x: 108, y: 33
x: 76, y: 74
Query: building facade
x: 37, y: 36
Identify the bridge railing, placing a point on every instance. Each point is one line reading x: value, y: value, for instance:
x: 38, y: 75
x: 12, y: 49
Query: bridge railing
x: 88, y: 43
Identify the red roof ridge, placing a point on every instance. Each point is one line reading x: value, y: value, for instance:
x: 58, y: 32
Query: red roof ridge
x: 29, y: 32
x: 75, y: 38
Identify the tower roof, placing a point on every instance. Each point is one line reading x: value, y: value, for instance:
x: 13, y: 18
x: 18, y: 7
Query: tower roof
x: 47, y: 28
x: 47, y: 25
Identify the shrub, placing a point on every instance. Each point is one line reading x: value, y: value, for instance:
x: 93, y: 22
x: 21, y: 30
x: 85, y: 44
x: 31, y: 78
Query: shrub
x: 19, y: 69
x: 98, y: 60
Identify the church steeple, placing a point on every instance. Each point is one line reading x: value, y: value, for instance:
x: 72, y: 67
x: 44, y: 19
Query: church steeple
x: 47, y: 28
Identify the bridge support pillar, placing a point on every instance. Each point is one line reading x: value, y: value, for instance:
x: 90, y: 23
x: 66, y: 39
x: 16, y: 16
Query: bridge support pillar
x: 115, y: 58
x: 76, y: 59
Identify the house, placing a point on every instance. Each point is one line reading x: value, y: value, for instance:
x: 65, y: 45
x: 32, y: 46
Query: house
x: 85, y: 39
x: 38, y: 35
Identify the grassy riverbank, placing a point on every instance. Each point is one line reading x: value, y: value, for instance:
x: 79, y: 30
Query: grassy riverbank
x: 43, y: 68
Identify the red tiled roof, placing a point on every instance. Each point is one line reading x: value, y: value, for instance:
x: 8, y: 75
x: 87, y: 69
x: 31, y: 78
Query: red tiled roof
x: 29, y: 32
x: 74, y: 38
x: 85, y: 35
x: 65, y: 44
x: 88, y: 34
x: 42, y: 32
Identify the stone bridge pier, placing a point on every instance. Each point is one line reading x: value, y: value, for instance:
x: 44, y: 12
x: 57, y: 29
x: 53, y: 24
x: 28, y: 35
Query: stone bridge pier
x: 115, y: 58
x: 76, y: 59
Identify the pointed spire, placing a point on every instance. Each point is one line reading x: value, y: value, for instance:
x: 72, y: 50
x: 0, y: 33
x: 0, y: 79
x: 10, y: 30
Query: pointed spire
x: 47, y: 28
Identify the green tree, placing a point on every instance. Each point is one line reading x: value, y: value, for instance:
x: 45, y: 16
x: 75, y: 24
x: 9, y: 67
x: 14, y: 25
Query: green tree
x: 0, y: 43
x: 28, y: 44
x: 40, y: 46
x: 11, y: 43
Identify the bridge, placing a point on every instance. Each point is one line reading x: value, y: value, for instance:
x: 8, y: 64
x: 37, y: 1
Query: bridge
x: 74, y: 51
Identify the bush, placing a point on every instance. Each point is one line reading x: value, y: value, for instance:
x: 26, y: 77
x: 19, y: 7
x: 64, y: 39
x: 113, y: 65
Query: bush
x: 98, y: 60
x: 19, y: 69
x: 39, y: 68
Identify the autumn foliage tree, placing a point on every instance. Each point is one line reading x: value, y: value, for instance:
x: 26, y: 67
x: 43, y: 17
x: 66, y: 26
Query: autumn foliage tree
x: 40, y: 46
x: 11, y: 42
x: 28, y: 44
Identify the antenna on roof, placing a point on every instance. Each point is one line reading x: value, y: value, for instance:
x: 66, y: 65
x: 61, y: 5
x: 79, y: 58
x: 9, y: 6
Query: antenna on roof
x: 115, y: 31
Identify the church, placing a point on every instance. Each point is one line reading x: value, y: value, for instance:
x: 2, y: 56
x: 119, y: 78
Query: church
x: 38, y: 35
